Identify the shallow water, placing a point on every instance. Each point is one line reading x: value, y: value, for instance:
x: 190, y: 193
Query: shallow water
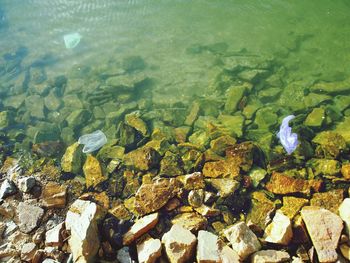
x: 182, y: 46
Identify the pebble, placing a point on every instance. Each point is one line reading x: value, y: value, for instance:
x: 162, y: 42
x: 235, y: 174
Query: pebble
x: 179, y: 244
x: 29, y: 217
x: 280, y: 230
x: 244, y: 242
x: 324, y: 228
x: 149, y: 250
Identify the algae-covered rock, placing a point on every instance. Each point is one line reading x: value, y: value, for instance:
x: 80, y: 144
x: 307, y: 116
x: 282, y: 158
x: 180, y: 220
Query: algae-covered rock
x: 292, y: 205
x: 269, y: 94
x: 233, y: 124
x: 193, y: 114
x: 234, y: 95
x: 200, y: 138
x: 330, y: 200
x: 257, y: 174
x: 330, y: 144
x: 35, y: 106
x: 71, y: 160
x: 52, y: 102
x: 143, y: 158
x: 78, y: 118
x: 171, y: 165
x: 192, y: 160
x: 93, y: 171
x: 266, y: 118
x: 221, y: 169
x: 133, y: 119
x: 224, y: 186
x: 220, y: 144
x: 331, y: 87
x: 343, y: 129
x: 316, y: 118
x: 133, y: 63
x: 341, y: 102
x: 6, y: 119
x: 324, y: 166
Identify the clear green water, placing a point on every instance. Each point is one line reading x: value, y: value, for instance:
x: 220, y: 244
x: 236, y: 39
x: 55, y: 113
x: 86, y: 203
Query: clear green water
x: 183, y: 44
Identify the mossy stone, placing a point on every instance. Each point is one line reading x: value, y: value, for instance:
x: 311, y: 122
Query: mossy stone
x: 324, y: 166
x: 330, y: 144
x: 266, y: 118
x: 315, y: 118
x: 134, y: 120
x: 35, y: 106
x: 171, y: 165
x: 220, y: 144
x: 233, y: 124
x: 5, y: 119
x: 200, y: 138
x: 78, y: 118
x: 234, y: 95
x: 52, y: 102
x: 71, y: 160
x: 343, y: 129
x: 269, y: 95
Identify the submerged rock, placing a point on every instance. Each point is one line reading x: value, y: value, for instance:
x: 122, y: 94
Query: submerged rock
x: 171, y: 165
x: 330, y: 144
x: 71, y: 160
x: 316, y: 118
x: 93, y: 171
x: 133, y: 119
x: 143, y: 158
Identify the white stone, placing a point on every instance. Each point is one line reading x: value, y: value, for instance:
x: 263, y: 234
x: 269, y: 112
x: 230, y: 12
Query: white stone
x: 179, y: 244
x: 7, y: 188
x: 81, y: 221
x: 11, y: 227
x: 28, y: 251
x: 280, y: 230
x: 324, y: 228
x: 141, y: 226
x: 344, y: 212
x: 148, y: 251
x: 29, y: 216
x: 227, y: 254
x: 242, y: 239
x: 123, y: 255
x: 53, y: 237
x: 207, y: 248
x: 270, y: 256
x: 26, y: 184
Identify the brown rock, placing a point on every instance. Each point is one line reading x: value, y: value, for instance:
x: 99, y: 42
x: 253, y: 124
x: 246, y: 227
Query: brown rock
x: 172, y: 204
x: 345, y: 171
x: 142, y: 159
x: 131, y: 183
x: 141, y: 226
x: 151, y: 197
x: 292, y: 205
x: 149, y: 250
x: 191, y: 221
x: 222, y: 168
x: 119, y: 211
x: 93, y: 171
x: 283, y: 184
x: 324, y: 228
x: 54, y: 195
x: 194, y: 181
x: 330, y: 200
x: 179, y: 244
x: 208, y: 248
x: 207, y: 211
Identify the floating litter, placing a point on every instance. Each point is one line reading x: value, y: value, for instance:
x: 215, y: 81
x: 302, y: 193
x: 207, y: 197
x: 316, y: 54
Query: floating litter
x: 72, y: 40
x: 93, y: 141
x: 288, y: 139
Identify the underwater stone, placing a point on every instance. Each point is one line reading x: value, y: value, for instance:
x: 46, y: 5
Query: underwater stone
x: 330, y: 144
x: 78, y: 118
x: 341, y: 102
x: 200, y: 138
x: 220, y: 144
x: 223, y: 168
x: 331, y: 87
x: 266, y: 118
x: 316, y: 118
x: 14, y: 101
x: 72, y: 102
x: 5, y: 119
x: 171, y: 165
x: 343, y: 129
x: 143, y: 158
x: 133, y: 119
x: 269, y: 95
x: 224, y: 186
x: 193, y: 114
x: 52, y: 102
x: 313, y: 99
x: 257, y: 174
x: 71, y: 160
x: 72, y: 40
x: 93, y: 171
x: 324, y: 166
x: 234, y: 95
x: 233, y: 124
x: 92, y: 141
x: 35, y: 106
x: 133, y: 63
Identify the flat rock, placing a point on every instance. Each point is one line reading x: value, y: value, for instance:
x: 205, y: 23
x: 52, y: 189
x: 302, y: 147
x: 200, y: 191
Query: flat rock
x: 148, y: 251
x: 282, y: 184
x: 151, y: 197
x: 191, y: 221
x: 81, y: 221
x: 280, y: 230
x: 324, y: 228
x: 7, y: 188
x: 26, y: 184
x: 93, y: 171
x: 29, y: 217
x: 54, y: 195
x: 179, y: 244
x: 53, y: 237
x: 344, y: 213
x: 208, y: 247
x: 244, y: 242
x: 270, y: 256
x: 141, y: 226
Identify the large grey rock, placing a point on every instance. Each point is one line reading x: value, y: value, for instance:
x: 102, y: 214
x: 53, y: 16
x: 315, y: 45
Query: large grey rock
x: 29, y: 216
x: 25, y: 184
x: 81, y: 221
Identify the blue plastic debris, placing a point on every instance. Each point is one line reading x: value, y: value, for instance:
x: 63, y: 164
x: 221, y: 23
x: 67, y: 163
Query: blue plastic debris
x: 93, y: 141
x: 288, y: 139
x: 71, y: 40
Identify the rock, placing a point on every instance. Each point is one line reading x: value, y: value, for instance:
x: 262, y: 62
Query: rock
x: 71, y: 160
x: 330, y: 144
x: 54, y: 195
x: 227, y: 254
x: 196, y: 197
x: 113, y: 152
x: 35, y: 106
x: 324, y: 166
x: 53, y: 237
x: 344, y: 213
x: 193, y: 114
x: 283, y: 184
x: 191, y: 221
x: 28, y: 251
x: 280, y: 230
x: 52, y: 102
x: 232, y: 124
x: 142, y: 159
x: 257, y: 174
x: 81, y: 221
x: 342, y: 129
x: 133, y: 119
x: 123, y: 255
x: 292, y: 205
x: 345, y: 170
x: 345, y: 251
x: 207, y: 211
x: 266, y: 118
x: 29, y: 217
x: 151, y: 197
x: 207, y: 248
x: 324, y: 228
x: 330, y: 200
x: 141, y: 226
x: 78, y: 118
x: 194, y: 181
x: 316, y: 118
x: 244, y: 242
x: 220, y: 144
x: 234, y: 95
x: 224, y: 186
x: 331, y: 87
x: 5, y: 119
x: 270, y: 256
x: 149, y: 250
x: 171, y: 165
x: 93, y: 171
x: 179, y: 244
x: 269, y: 94
x: 7, y: 188
x: 223, y: 168
x: 200, y: 138
x: 26, y: 184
